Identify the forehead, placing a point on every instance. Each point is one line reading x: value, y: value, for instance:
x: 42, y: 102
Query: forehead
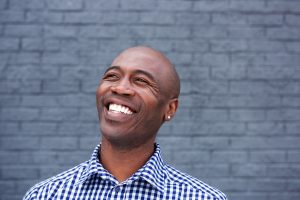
x: 148, y: 61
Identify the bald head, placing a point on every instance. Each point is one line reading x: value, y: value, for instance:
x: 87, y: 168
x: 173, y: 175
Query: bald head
x: 153, y: 58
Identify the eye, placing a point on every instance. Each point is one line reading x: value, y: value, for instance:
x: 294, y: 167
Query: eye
x: 141, y: 81
x: 110, y: 77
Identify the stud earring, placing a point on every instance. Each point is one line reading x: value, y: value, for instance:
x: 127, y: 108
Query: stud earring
x: 169, y: 117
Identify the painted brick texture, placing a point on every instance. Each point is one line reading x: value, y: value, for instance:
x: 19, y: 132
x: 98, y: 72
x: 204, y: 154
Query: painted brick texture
x: 238, y: 124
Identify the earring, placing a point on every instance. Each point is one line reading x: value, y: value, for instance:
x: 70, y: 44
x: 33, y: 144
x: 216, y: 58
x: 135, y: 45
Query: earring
x: 169, y: 117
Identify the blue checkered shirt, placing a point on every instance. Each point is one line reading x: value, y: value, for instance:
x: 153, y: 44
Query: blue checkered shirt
x: 155, y: 180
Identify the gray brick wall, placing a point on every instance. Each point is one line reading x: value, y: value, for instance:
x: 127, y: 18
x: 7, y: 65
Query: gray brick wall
x: 238, y: 125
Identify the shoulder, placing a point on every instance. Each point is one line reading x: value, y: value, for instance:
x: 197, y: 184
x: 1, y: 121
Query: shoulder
x: 176, y: 178
x: 50, y: 185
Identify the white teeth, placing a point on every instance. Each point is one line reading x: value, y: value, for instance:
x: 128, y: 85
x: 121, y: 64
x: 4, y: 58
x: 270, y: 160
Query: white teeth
x: 119, y: 108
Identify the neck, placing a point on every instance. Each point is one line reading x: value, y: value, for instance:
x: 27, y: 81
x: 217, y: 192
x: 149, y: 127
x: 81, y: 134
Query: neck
x: 123, y: 163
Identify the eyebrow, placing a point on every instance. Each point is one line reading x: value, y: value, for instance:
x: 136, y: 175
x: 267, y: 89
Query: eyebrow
x: 138, y: 71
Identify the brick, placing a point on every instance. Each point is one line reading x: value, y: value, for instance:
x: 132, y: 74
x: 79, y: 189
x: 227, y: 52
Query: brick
x: 247, y: 6
x: 19, y: 143
x: 229, y: 19
x: 137, y: 5
x: 172, y: 32
x: 247, y: 32
x: 18, y: 173
x: 247, y: 59
x: 266, y: 185
x: 42, y: 17
x: 39, y: 128
x: 283, y: 6
x: 11, y: 16
x: 208, y: 5
x: 211, y: 170
x: 293, y: 128
x: 39, y: 101
x: 33, y: 44
x: 88, y: 114
x: 59, y: 143
x: 83, y: 18
x: 174, y: 5
x: 212, y: 60
x: 193, y: 73
x: 264, y: 143
x: 20, y: 87
x: 192, y: 18
x: 7, y: 187
x: 292, y: 19
x: 228, y: 45
x: 265, y: 46
x: 209, y: 31
x: 60, y: 58
x: 282, y: 59
x: 273, y: 72
x: 26, y: 4
x: 75, y: 73
x: 293, y: 185
x: 79, y: 100
x: 29, y: 72
x: 9, y: 128
x: 208, y: 128
x: 284, y: 33
x: 89, y: 142
x: 99, y: 32
x: 274, y: 156
x: 263, y: 19
x: 209, y: 87
x: 293, y: 156
x: 101, y: 5
x: 209, y: 114
x: 58, y: 31
x: 191, y: 46
x: 69, y: 128
x: 156, y: 18
x: 265, y: 128
x: 283, y: 170
x: 263, y: 88
x: 9, y: 100
x: 67, y: 5
x: 244, y: 101
x: 22, y: 30
x: 209, y: 143
x: 59, y: 87
x: 136, y: 31
x: 248, y: 170
x: 230, y: 72
x: 293, y: 46
x: 15, y: 114
x: 59, y: 114
x: 229, y: 157
x: 283, y: 114
x: 191, y: 157
x: 129, y: 18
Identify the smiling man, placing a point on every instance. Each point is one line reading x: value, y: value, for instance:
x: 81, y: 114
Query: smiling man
x: 137, y: 94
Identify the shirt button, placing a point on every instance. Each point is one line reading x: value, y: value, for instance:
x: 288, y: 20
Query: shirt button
x: 117, y: 189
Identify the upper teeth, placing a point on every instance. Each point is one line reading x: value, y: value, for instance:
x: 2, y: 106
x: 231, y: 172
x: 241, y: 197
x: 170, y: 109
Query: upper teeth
x: 119, y: 108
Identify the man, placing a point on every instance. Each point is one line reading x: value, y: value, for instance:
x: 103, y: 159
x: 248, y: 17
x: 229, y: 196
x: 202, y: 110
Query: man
x: 137, y: 94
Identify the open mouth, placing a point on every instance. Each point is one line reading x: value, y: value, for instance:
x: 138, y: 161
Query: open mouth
x: 117, y: 108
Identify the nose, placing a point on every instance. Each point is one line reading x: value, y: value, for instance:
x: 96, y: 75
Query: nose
x: 123, y: 88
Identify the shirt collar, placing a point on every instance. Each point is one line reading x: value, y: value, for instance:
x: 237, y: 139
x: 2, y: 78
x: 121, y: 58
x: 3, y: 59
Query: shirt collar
x: 152, y: 171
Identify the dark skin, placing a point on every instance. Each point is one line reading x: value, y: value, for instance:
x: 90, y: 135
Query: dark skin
x: 144, y: 82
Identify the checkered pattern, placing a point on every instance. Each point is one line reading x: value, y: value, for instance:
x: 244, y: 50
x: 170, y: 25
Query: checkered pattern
x: 155, y: 180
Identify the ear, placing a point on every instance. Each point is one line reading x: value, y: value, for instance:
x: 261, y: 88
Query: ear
x: 171, y: 109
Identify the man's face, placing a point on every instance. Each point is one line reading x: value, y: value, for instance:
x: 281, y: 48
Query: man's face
x: 129, y: 98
